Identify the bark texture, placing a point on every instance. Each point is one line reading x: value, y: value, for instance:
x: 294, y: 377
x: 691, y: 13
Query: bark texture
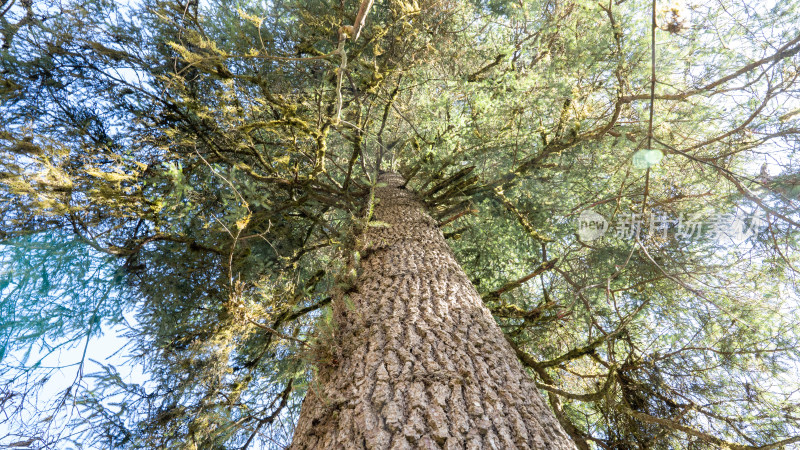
x: 418, y: 361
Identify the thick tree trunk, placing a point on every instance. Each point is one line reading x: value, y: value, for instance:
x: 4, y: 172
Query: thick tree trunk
x: 420, y: 362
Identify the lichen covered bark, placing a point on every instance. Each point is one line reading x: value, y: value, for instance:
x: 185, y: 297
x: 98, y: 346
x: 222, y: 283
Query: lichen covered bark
x: 419, y: 361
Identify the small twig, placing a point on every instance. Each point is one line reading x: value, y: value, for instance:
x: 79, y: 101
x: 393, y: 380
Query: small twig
x: 542, y: 268
x: 276, y: 332
x: 339, y: 71
x: 361, y: 18
x: 284, y: 397
x: 457, y: 216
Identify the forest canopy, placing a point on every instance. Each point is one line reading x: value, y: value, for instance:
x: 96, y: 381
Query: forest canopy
x: 619, y: 180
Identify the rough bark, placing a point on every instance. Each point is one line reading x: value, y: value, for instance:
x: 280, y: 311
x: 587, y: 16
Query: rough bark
x: 418, y: 361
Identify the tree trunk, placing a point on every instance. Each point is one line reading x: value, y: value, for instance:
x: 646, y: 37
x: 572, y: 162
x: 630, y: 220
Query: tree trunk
x: 419, y: 362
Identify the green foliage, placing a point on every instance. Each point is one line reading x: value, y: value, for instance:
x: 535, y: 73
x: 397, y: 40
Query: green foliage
x: 202, y: 167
